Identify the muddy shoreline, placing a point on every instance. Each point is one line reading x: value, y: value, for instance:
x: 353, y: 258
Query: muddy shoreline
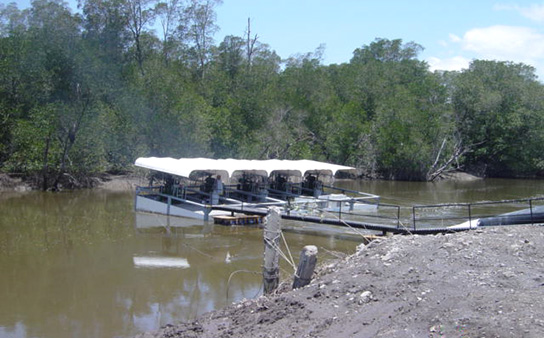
x: 483, y: 283
x: 124, y: 182
x: 129, y: 181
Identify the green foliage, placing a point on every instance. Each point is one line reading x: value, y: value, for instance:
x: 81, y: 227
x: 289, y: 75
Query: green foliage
x: 386, y: 51
x: 31, y: 138
x: 404, y: 107
x: 499, y: 115
x: 91, y: 92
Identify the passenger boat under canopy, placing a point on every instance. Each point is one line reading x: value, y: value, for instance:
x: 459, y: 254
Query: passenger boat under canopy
x: 227, y: 168
x: 195, y: 187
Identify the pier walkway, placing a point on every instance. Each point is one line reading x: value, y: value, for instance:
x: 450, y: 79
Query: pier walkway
x: 422, y: 218
x: 343, y: 222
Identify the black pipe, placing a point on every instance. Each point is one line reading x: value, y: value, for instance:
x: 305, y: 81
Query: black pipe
x: 525, y: 216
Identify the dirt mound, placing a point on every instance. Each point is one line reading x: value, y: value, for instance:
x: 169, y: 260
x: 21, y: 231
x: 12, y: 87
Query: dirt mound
x: 483, y: 283
x: 459, y: 176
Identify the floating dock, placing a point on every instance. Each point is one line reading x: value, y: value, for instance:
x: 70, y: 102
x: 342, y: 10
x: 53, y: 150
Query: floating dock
x: 532, y: 215
x: 238, y: 219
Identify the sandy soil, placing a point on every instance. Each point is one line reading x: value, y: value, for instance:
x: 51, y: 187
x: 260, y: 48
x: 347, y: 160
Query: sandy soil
x: 483, y: 283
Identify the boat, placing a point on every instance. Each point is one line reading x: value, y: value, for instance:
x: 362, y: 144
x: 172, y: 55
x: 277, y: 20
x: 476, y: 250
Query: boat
x: 202, y: 188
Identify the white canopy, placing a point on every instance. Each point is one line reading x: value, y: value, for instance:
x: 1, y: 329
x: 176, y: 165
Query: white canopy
x: 184, y: 167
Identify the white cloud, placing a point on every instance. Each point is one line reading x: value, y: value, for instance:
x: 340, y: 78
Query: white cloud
x: 500, y: 42
x: 533, y: 12
x: 519, y: 44
x: 455, y: 63
x: 443, y: 43
x: 505, y: 43
x: 454, y: 38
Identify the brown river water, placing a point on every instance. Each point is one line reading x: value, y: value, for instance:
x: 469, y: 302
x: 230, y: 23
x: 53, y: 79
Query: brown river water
x: 84, y: 264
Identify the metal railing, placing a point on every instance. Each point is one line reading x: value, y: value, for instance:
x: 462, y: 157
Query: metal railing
x: 435, y: 217
x: 454, y: 213
x: 194, y: 196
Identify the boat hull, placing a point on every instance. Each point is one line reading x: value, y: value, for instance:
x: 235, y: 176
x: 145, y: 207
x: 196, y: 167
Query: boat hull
x: 147, y: 204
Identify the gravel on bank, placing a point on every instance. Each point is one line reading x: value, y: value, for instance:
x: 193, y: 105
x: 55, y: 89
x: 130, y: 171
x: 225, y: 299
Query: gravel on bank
x: 487, y: 282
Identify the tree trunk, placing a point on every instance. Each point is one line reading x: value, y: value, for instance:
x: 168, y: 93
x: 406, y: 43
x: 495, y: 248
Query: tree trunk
x: 45, y: 169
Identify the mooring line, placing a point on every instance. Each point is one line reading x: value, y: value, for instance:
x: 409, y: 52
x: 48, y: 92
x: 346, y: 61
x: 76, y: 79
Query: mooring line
x: 278, y: 249
x: 235, y: 272
x: 288, y: 250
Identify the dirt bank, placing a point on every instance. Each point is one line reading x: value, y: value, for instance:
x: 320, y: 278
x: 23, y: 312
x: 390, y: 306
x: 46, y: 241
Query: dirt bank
x: 121, y: 182
x: 102, y: 181
x: 9, y: 183
x: 482, y: 283
x: 459, y: 176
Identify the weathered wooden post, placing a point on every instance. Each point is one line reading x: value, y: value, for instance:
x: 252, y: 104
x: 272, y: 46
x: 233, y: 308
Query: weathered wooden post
x: 306, y: 266
x: 271, y: 267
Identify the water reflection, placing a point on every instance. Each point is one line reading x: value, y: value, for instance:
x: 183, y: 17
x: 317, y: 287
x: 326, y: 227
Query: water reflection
x: 84, y: 264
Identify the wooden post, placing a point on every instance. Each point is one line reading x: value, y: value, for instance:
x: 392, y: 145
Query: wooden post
x: 272, y: 230
x: 207, y: 211
x: 306, y: 266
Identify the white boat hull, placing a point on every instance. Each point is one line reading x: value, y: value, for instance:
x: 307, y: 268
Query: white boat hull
x: 149, y: 205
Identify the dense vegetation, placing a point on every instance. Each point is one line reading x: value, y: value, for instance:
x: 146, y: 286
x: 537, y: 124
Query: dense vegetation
x: 90, y: 92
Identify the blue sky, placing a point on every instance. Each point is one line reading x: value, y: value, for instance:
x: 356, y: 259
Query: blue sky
x: 452, y: 32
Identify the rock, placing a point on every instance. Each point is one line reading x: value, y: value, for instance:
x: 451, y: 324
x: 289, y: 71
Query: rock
x: 365, y: 297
